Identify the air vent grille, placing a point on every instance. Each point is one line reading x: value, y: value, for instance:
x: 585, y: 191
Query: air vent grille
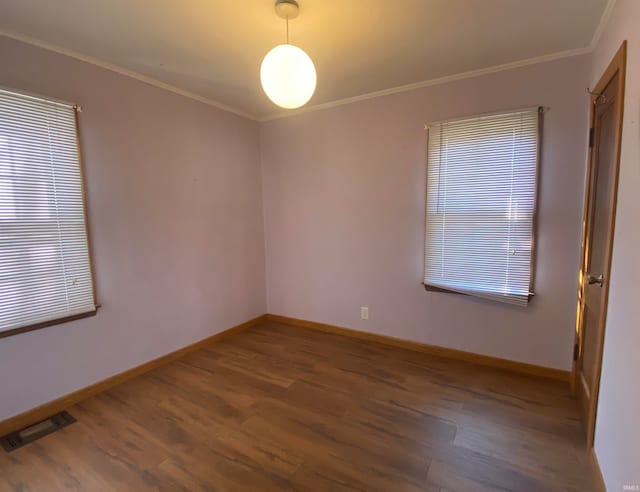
x: 34, y: 432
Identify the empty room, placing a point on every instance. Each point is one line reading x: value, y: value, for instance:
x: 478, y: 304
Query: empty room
x: 303, y: 245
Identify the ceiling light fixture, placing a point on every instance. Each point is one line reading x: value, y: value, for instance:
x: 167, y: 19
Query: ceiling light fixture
x: 287, y: 73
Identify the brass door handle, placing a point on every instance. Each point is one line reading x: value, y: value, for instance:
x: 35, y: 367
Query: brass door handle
x: 595, y: 280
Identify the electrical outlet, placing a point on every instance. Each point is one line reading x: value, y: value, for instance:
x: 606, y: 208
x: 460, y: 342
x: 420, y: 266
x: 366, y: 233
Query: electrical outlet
x: 364, y: 312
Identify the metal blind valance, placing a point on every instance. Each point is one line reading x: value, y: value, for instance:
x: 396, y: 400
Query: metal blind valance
x: 481, y: 198
x: 45, y: 272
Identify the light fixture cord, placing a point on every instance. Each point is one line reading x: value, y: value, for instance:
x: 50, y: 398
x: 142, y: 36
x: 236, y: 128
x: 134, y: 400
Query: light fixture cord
x: 287, y: 29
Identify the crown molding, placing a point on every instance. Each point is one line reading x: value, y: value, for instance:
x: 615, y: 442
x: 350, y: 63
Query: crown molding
x: 331, y: 104
x: 123, y: 71
x: 606, y: 13
x: 602, y: 24
x: 428, y: 83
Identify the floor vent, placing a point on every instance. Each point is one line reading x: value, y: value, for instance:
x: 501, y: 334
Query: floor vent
x: 34, y: 432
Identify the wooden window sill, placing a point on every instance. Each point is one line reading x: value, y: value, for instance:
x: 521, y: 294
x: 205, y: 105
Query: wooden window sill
x: 45, y: 324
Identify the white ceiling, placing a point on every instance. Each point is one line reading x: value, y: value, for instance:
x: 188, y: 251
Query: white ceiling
x: 213, y: 48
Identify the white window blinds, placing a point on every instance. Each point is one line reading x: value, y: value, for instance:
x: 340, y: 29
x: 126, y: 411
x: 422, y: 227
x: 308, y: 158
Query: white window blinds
x: 481, y: 196
x: 45, y: 273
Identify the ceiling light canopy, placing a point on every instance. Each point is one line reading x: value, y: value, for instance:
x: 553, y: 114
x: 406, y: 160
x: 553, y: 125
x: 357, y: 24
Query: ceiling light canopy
x: 287, y: 73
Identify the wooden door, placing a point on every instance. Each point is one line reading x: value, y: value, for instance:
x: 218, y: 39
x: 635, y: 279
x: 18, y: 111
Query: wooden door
x: 599, y: 223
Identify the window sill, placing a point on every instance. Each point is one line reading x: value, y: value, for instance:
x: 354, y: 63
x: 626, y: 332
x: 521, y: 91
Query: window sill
x: 45, y: 324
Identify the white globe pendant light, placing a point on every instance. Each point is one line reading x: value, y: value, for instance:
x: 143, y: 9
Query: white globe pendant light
x: 287, y: 74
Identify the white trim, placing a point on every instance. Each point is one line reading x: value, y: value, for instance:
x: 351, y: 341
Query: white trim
x: 338, y: 102
x: 427, y: 83
x: 606, y: 13
x: 602, y: 24
x: 124, y: 71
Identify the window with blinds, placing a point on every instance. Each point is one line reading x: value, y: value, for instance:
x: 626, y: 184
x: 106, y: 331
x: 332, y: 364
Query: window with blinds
x: 45, y: 274
x: 481, y: 200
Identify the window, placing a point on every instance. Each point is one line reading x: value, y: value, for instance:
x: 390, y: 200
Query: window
x: 481, y: 198
x: 45, y: 273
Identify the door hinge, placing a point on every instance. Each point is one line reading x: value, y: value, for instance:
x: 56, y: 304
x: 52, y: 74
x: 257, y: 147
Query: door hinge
x: 575, y: 351
x: 591, y: 137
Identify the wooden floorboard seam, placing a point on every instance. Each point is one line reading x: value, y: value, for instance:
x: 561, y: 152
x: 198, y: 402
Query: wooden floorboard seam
x: 278, y: 407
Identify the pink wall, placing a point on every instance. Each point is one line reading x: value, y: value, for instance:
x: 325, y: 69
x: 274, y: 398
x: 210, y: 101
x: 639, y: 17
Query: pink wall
x: 176, y: 209
x: 176, y: 217
x: 617, y: 430
x: 344, y: 215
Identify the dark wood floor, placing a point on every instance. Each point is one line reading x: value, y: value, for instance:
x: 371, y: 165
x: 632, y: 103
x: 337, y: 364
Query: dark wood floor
x: 284, y: 408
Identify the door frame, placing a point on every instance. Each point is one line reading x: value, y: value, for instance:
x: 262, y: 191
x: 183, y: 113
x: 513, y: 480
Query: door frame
x: 616, y: 66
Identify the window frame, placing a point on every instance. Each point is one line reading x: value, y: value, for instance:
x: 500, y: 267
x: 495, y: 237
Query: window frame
x: 77, y: 109
x: 536, y: 194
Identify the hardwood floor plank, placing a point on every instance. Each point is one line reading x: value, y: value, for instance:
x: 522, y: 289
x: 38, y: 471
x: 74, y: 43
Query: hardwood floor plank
x: 392, y: 422
x: 284, y: 408
x: 460, y: 469
x: 314, y: 437
x: 333, y: 472
x: 527, y: 451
